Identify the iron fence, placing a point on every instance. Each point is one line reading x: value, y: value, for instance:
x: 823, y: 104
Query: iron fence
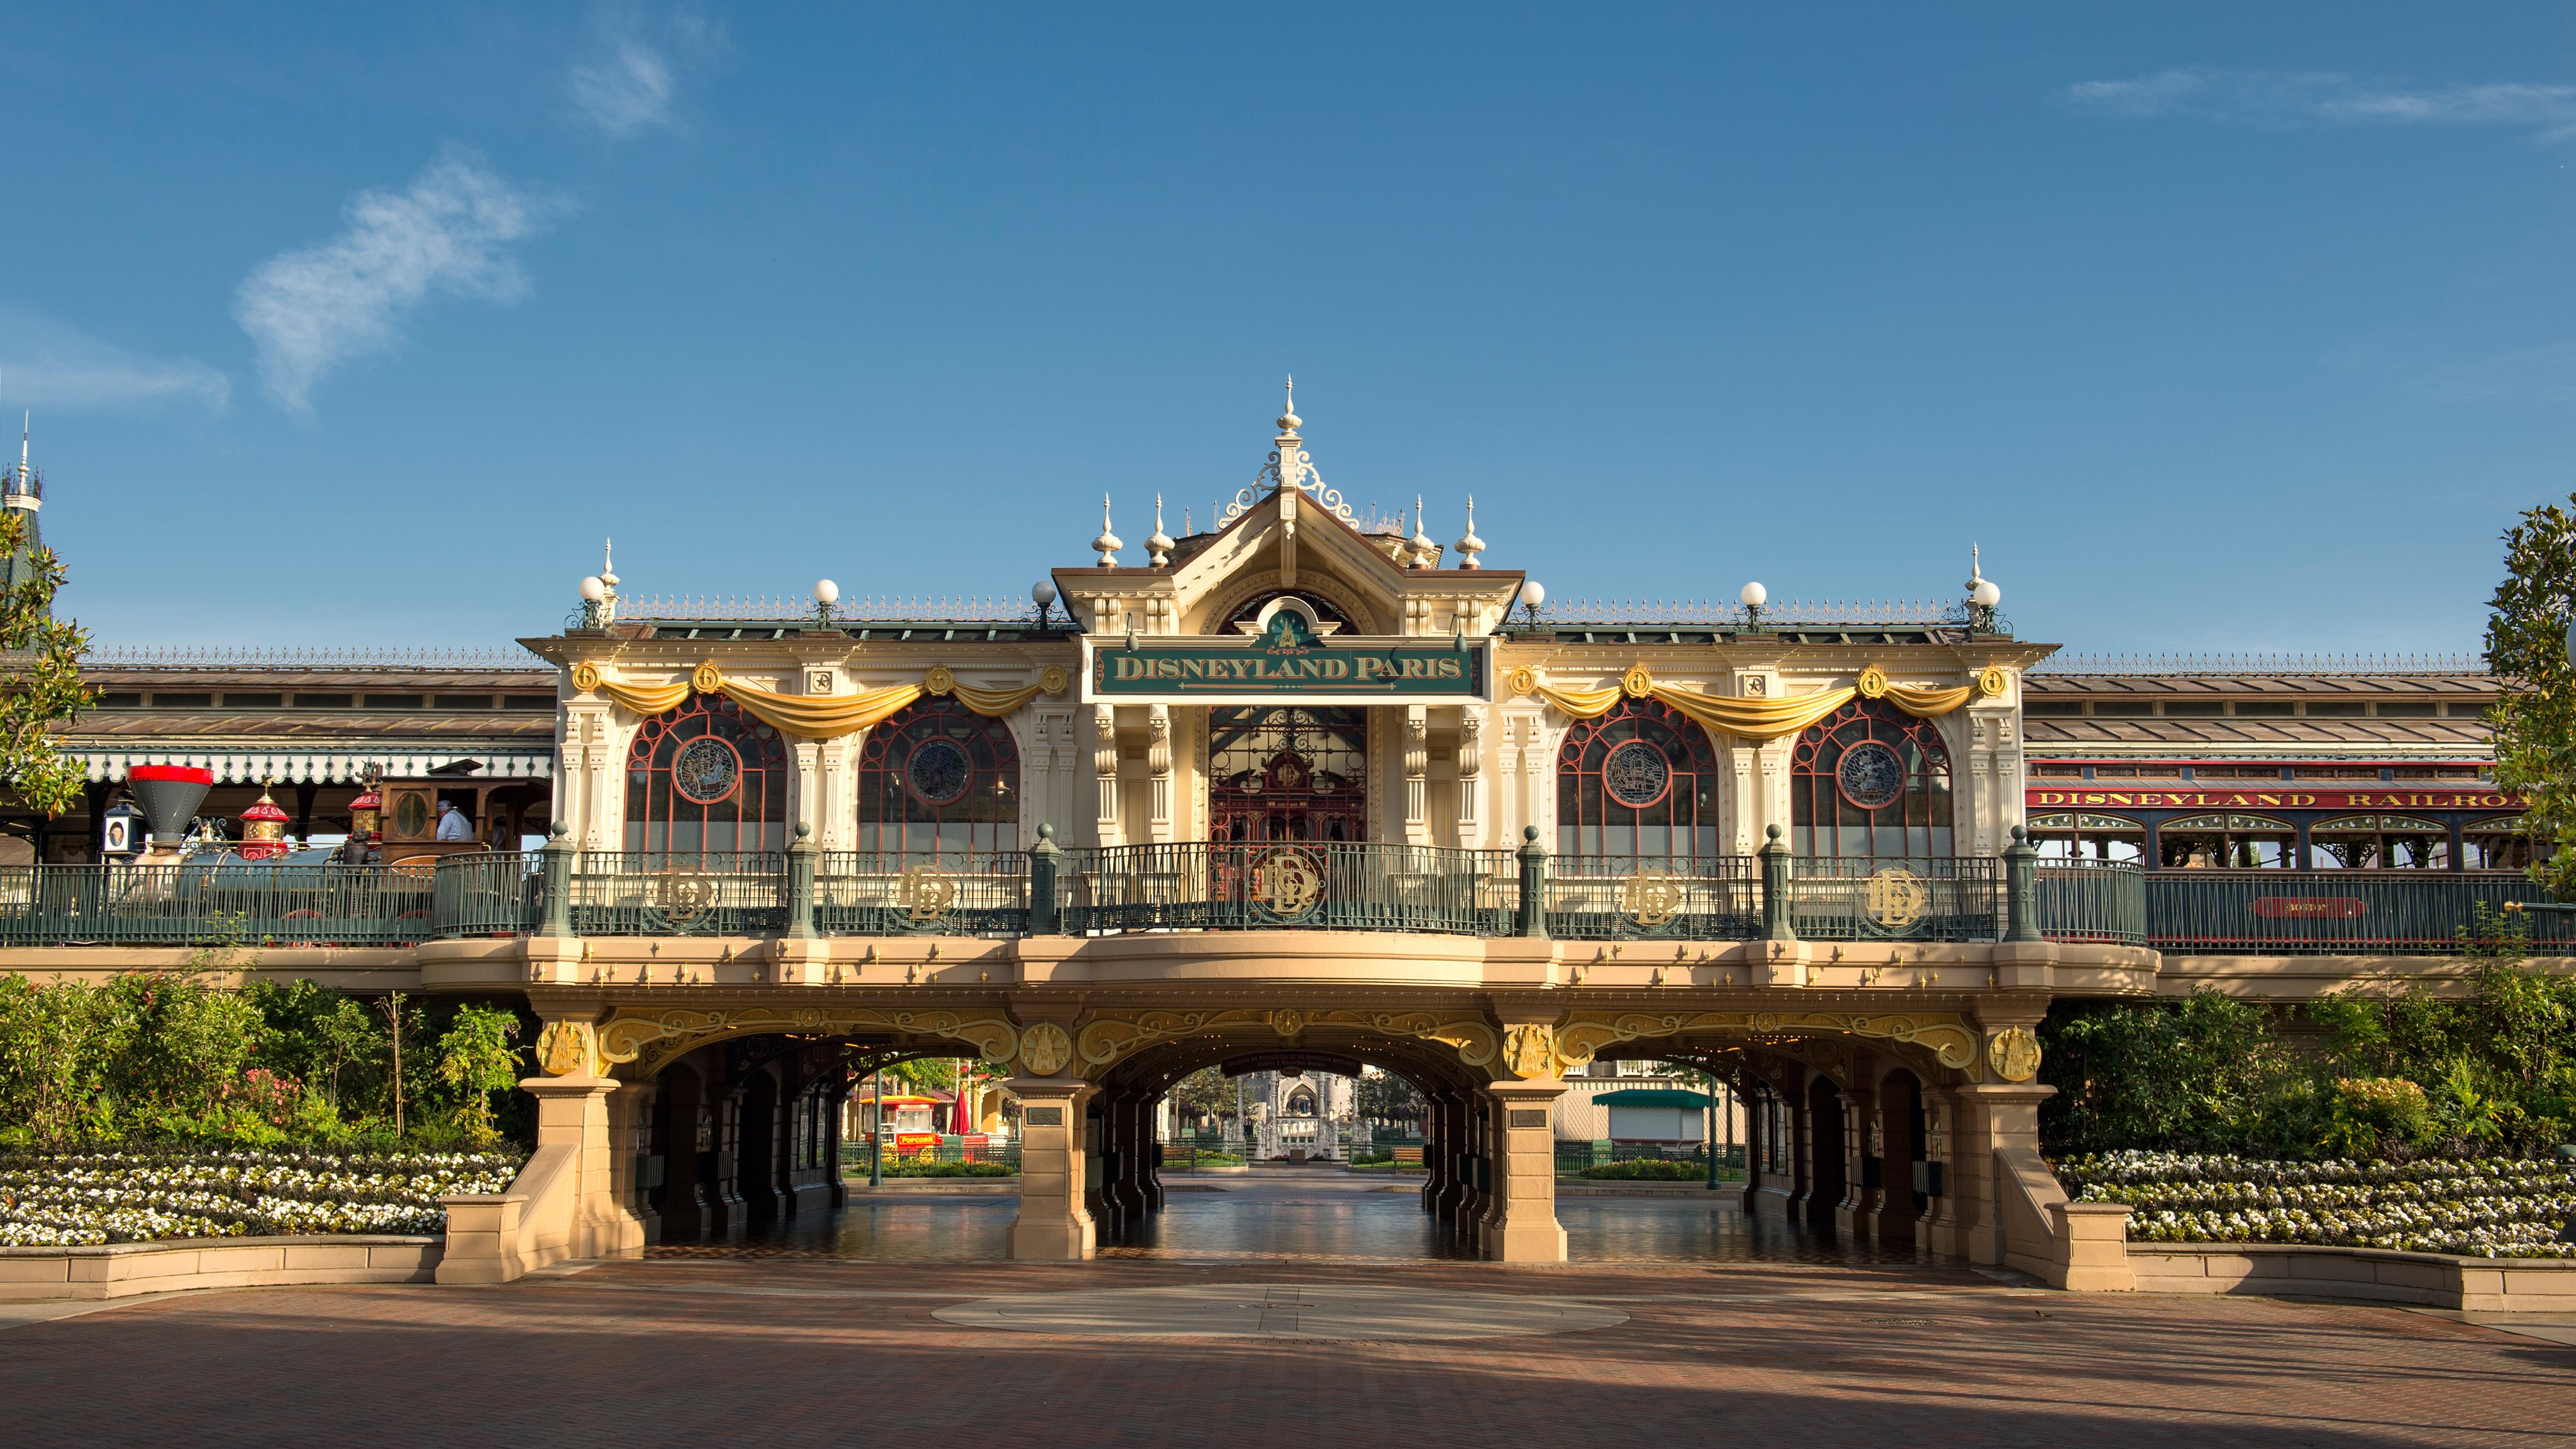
x: 1314, y: 885
x: 678, y: 893
x: 2091, y: 900
x: 1926, y: 898
x: 2334, y: 911
x: 1709, y: 898
x: 488, y: 893
x: 219, y: 901
x: 889, y: 893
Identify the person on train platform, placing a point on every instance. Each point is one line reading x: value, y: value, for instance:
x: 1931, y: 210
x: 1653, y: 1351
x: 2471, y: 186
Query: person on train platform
x: 452, y: 824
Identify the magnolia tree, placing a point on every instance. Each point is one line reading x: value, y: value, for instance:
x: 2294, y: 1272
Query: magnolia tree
x: 2535, y: 712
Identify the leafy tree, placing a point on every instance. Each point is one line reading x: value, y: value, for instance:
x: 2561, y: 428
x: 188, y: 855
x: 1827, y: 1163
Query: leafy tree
x: 2535, y: 709
x: 40, y: 682
x: 1207, y: 1092
x: 1386, y: 1097
x: 52, y: 1061
x: 475, y: 1059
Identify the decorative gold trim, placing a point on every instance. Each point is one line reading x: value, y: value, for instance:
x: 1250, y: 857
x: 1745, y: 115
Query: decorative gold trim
x: 1873, y: 683
x: 1054, y: 680
x: 585, y: 676
x: 1949, y: 1038
x: 1992, y: 681
x: 567, y: 1047
x: 671, y: 1033
x: 1529, y: 1051
x: 1637, y: 683
x: 706, y: 678
x: 1105, y: 1040
x: 939, y: 680
x: 1523, y: 681
x: 1044, y: 1049
x: 2014, y: 1054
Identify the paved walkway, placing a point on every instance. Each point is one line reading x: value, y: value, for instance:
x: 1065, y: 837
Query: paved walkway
x: 821, y: 1351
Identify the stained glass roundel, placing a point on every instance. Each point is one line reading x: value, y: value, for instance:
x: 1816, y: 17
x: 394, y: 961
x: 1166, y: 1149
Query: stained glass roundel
x: 1871, y: 775
x: 939, y: 771
x: 706, y: 770
x: 1636, y: 774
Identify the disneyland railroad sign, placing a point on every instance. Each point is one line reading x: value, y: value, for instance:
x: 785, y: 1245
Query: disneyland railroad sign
x: 1286, y: 661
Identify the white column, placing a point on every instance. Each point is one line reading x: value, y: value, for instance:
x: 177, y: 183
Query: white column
x: 1417, y: 765
x: 1104, y: 768
x: 1471, y: 769
x: 1158, y: 767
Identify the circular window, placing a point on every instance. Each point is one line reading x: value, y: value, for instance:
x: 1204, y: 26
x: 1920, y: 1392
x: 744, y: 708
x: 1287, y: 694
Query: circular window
x: 1636, y: 774
x: 411, y: 816
x: 939, y: 772
x: 705, y: 770
x: 1871, y: 775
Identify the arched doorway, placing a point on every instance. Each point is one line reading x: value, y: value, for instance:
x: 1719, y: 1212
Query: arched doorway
x: 1287, y: 772
x: 1827, y: 1181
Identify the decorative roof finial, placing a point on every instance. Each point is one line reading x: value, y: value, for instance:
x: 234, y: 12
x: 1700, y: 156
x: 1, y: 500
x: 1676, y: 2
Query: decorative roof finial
x: 1159, y: 546
x: 607, y: 562
x: 1424, y: 550
x: 1288, y: 419
x: 1976, y: 572
x: 1107, y: 543
x: 1470, y: 545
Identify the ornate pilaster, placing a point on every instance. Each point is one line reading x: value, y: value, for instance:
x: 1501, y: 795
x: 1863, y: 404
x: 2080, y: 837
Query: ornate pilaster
x: 1104, y: 768
x: 1158, y: 769
x: 1471, y: 770
x: 1417, y: 775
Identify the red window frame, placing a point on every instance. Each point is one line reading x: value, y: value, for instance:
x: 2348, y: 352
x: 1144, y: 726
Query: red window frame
x: 1824, y: 821
x: 893, y: 817
x: 752, y: 817
x: 1679, y: 824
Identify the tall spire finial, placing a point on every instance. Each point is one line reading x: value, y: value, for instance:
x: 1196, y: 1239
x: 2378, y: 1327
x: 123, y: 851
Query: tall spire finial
x: 1107, y: 543
x: 608, y: 562
x: 1288, y: 419
x: 1976, y: 570
x: 1469, y: 545
x: 1159, y: 546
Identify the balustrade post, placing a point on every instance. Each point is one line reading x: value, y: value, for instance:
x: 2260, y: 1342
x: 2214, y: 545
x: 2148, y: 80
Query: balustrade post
x: 801, y: 858
x: 1045, y: 916
x: 1776, y: 922
x: 555, y: 918
x: 2021, y: 888
x: 1532, y: 917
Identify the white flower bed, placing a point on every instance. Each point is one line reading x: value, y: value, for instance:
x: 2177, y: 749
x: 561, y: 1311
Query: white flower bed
x: 2484, y: 1208
x: 70, y: 1199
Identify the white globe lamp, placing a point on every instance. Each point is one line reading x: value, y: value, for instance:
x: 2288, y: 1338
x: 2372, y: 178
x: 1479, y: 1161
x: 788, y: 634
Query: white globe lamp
x: 1985, y: 595
x: 1533, y: 594
x: 1042, y: 594
x: 592, y: 590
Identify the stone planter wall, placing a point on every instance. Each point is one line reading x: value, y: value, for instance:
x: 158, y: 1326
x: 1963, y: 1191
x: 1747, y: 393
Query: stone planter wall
x: 120, y: 1270
x: 2366, y: 1275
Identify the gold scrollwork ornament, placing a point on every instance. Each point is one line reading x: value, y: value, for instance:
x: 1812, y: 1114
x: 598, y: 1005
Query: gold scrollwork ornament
x: 1053, y: 679
x: 585, y: 676
x: 1991, y: 681
x: 939, y: 680
x: 1044, y: 1049
x: 1637, y: 683
x: 706, y: 678
x: 1523, y: 681
x: 2014, y: 1054
x: 1873, y: 683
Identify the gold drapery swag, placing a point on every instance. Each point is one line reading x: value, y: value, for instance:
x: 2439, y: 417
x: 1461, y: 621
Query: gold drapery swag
x: 1756, y: 720
x: 818, y: 716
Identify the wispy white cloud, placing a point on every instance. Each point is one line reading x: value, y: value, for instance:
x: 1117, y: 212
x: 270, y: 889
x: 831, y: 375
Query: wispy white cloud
x: 449, y: 233
x: 2326, y: 97
x: 629, y: 86
x: 50, y: 367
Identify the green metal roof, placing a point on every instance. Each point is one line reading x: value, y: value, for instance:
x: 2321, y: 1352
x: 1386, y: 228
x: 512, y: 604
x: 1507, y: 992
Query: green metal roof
x: 1653, y: 1097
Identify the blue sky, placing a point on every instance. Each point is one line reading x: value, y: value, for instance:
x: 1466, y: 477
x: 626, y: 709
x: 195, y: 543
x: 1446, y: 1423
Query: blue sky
x: 2220, y: 328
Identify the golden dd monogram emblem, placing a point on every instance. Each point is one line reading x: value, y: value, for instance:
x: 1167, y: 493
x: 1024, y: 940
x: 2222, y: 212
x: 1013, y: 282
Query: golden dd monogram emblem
x: 684, y: 897
x: 1895, y: 898
x: 1287, y: 882
x: 1649, y: 900
x: 926, y: 892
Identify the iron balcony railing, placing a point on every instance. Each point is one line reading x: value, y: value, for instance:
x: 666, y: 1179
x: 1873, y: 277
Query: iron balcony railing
x: 1927, y: 898
x: 219, y: 901
x: 2281, y: 912
x: 1609, y: 898
x: 2097, y: 901
x: 1286, y: 885
x: 949, y: 893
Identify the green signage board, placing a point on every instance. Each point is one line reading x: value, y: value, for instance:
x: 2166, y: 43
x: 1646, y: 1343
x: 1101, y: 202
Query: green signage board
x: 1287, y: 662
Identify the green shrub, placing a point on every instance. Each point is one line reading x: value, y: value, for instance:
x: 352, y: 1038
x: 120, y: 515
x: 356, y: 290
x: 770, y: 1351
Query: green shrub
x: 1649, y: 1169
x: 926, y: 1167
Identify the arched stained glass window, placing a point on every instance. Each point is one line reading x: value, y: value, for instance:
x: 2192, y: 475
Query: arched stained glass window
x: 939, y: 777
x: 704, y: 778
x: 1639, y: 782
x: 1870, y: 782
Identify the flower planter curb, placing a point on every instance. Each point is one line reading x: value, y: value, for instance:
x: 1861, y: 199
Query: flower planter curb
x: 2361, y: 1275
x: 122, y: 1270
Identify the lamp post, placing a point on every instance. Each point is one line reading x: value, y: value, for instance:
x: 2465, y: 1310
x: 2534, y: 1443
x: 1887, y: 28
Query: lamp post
x: 826, y: 594
x: 1533, y: 594
x: 1042, y: 594
x: 1753, y: 596
x: 592, y: 592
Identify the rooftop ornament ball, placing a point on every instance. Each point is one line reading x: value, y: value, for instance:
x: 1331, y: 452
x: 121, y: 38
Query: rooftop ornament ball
x: 592, y: 590
x: 1985, y: 595
x: 1533, y: 594
x: 826, y: 592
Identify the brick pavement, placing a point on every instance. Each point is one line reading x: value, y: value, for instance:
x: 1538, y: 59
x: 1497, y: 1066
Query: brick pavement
x: 785, y: 1353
